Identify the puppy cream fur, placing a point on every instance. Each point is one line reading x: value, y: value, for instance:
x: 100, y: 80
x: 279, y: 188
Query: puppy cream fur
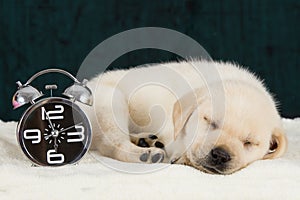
x: 214, y: 116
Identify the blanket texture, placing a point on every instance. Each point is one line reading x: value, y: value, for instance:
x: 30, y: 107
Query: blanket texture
x: 93, y: 179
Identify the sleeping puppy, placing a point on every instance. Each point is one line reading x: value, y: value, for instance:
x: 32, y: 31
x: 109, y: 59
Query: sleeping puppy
x: 185, y: 113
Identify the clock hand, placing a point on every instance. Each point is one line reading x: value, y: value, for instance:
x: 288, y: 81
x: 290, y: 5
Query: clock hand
x: 47, y: 116
x: 55, y: 144
x: 47, y: 136
x: 61, y: 131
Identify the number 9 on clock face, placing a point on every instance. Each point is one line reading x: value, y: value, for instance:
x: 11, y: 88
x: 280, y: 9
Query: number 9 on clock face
x: 54, y: 132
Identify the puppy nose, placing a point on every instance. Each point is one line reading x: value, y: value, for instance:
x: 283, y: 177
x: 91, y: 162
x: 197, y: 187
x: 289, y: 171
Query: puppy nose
x: 219, y: 156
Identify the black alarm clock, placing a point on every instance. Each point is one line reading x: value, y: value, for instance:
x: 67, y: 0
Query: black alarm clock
x: 53, y: 131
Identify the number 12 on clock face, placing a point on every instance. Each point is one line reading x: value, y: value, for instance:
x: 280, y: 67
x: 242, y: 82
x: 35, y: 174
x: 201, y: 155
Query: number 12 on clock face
x: 53, y: 114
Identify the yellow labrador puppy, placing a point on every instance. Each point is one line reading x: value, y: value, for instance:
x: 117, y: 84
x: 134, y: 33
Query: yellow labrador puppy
x: 214, y: 116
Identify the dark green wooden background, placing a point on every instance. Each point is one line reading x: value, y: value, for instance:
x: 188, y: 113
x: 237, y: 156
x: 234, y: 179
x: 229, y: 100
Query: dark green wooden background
x: 263, y: 35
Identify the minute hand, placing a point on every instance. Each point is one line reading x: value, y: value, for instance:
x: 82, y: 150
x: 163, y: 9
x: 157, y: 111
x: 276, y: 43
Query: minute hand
x: 61, y: 131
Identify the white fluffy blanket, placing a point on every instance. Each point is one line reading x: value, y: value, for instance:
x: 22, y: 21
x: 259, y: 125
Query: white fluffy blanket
x: 90, y: 179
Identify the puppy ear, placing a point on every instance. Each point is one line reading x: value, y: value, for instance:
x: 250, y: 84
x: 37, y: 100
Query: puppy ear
x: 182, y: 110
x: 278, y: 144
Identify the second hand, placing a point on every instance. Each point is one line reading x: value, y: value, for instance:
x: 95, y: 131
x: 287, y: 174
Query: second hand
x: 61, y: 131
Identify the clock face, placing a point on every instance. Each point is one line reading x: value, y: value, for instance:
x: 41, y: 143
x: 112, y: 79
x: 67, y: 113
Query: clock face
x: 54, y: 132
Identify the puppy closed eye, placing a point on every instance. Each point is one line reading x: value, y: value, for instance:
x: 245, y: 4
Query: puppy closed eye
x: 248, y: 144
x: 213, y: 124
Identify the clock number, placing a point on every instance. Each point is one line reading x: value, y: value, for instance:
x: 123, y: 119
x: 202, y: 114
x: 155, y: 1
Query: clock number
x: 76, y: 136
x: 55, y: 158
x: 33, y: 134
x: 53, y: 114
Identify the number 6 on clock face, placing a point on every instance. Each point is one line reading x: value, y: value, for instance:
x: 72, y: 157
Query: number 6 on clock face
x: 55, y: 158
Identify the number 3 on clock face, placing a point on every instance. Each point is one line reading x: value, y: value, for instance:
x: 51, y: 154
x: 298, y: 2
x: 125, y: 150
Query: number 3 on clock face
x: 54, y: 132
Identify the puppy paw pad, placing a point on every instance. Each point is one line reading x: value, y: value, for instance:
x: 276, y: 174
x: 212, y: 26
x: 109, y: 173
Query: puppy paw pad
x: 144, y: 157
x: 152, y: 137
x: 157, y: 158
x: 142, y: 143
x: 159, y: 145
